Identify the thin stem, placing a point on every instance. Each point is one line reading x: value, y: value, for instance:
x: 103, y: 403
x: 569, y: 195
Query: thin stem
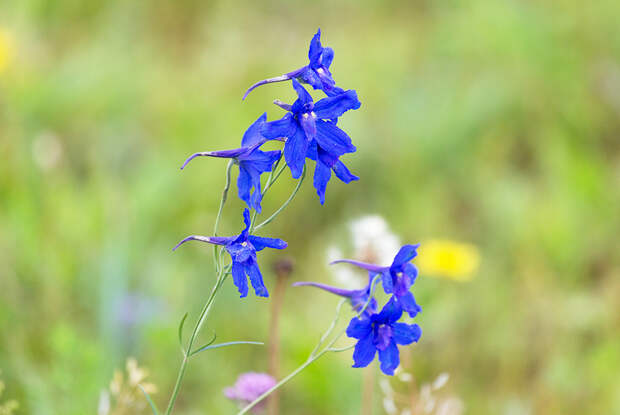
x: 285, y: 204
x: 219, y: 214
x: 203, y: 316
x: 313, y: 356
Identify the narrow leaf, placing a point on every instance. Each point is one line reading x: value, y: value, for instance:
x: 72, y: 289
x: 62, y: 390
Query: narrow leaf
x: 216, y: 346
x: 149, y: 400
x: 181, y: 331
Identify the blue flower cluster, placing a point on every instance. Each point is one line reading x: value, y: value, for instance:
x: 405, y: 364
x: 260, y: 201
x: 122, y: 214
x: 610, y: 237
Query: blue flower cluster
x: 309, y: 131
x: 380, y: 332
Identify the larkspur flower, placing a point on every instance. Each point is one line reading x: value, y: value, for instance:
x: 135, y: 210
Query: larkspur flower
x: 242, y: 249
x: 316, y: 73
x: 382, y: 333
x: 357, y: 298
x: 251, y: 160
x: 396, y: 278
x: 250, y: 386
x: 311, y: 132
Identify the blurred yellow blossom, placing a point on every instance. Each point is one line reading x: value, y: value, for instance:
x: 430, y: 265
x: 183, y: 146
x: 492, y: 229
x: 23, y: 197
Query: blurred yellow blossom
x: 450, y: 259
x: 8, y: 407
x: 5, y: 49
x: 126, y: 396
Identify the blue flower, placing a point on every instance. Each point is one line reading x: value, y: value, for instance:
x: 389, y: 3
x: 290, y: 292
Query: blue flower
x: 310, y: 131
x: 242, y: 249
x: 252, y: 162
x: 358, y: 298
x: 396, y: 278
x: 381, y: 333
x: 316, y: 73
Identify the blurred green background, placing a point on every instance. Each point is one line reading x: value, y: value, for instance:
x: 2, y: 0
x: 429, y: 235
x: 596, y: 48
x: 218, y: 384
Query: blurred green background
x: 491, y: 122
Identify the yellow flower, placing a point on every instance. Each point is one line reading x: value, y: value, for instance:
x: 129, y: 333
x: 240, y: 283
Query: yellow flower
x: 442, y: 258
x: 5, y: 49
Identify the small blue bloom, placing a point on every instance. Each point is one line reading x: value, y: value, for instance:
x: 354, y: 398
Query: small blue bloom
x: 311, y: 132
x: 358, y: 298
x: 242, y: 249
x: 381, y: 333
x: 252, y: 162
x: 396, y: 278
x: 316, y: 73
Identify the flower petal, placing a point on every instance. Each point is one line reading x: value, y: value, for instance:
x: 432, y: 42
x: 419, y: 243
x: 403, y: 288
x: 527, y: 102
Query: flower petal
x: 261, y: 243
x: 303, y: 96
x: 256, y: 279
x: 327, y: 57
x: 343, y: 173
x: 284, y: 127
x: 295, y: 152
x: 322, y: 174
x: 389, y: 359
x: 332, y: 139
x: 244, y: 184
x: 256, y: 197
x: 239, y: 279
x: 390, y: 312
x: 335, y: 106
x: 253, y: 134
x: 406, y: 333
x: 405, y: 254
x: 334, y: 290
x: 359, y: 328
x: 314, y: 52
x: 408, y: 304
x: 364, y: 352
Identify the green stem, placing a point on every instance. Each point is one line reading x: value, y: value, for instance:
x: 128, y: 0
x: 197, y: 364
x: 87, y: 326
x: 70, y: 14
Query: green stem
x: 219, y: 214
x: 285, y: 204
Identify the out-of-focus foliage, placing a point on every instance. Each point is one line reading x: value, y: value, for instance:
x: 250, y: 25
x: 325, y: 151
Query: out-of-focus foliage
x: 6, y: 407
x: 491, y: 122
x: 127, y: 395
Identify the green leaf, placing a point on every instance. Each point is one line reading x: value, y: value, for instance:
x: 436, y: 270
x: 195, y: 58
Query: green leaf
x: 216, y: 346
x: 181, y: 331
x: 149, y: 400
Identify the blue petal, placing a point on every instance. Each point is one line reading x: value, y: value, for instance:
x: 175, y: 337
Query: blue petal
x: 295, y: 152
x: 253, y: 134
x: 315, y: 50
x: 406, y: 333
x: 244, y: 184
x: 256, y: 279
x: 303, y: 96
x: 262, y: 161
x: 408, y: 304
x: 284, y: 127
x: 343, y: 173
x: 332, y: 139
x: 246, y: 219
x: 364, y: 352
x: 405, y: 254
x: 261, y: 243
x: 327, y: 57
x: 390, y: 312
x: 256, y: 197
x: 239, y: 278
x: 322, y: 174
x: 335, y: 106
x: 308, y: 123
x: 359, y: 328
x: 389, y: 359
x: 386, y: 279
x: 310, y: 77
